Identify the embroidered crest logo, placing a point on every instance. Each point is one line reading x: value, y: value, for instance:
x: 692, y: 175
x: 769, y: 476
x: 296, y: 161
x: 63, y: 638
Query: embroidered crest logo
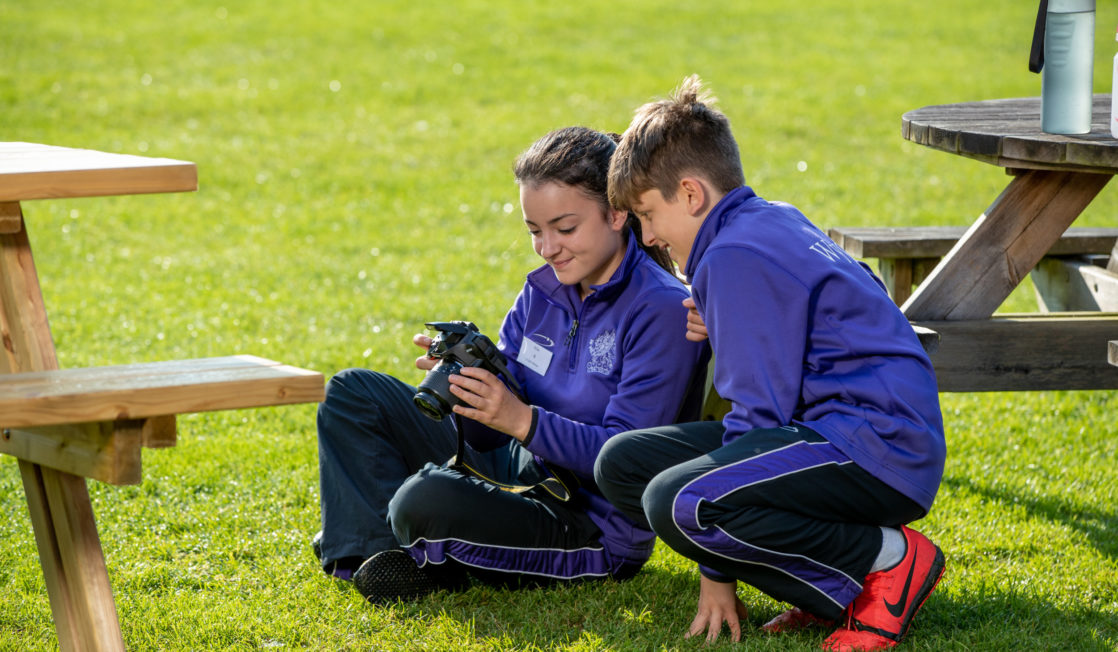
x: 602, y: 353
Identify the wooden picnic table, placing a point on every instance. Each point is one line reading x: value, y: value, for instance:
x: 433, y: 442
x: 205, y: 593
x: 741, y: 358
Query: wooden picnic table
x: 1054, y: 178
x: 72, y: 424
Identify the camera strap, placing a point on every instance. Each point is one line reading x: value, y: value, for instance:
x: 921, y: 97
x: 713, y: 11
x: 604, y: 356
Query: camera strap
x: 561, y: 485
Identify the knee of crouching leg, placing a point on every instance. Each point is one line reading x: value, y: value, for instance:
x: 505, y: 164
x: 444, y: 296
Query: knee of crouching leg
x: 659, y: 503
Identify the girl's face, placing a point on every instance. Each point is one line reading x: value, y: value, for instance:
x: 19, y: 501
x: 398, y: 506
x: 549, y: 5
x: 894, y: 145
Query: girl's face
x: 580, y: 240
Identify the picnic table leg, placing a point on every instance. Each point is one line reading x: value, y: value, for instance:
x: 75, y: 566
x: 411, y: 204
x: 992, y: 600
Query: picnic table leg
x: 73, y: 564
x: 1000, y: 248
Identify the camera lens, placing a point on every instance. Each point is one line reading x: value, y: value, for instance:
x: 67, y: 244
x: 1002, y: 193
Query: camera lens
x: 431, y: 405
x: 433, y: 397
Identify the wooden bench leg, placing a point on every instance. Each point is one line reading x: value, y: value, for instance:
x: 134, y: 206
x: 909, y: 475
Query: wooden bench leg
x: 896, y: 274
x: 73, y: 564
x: 900, y: 275
x: 77, y: 582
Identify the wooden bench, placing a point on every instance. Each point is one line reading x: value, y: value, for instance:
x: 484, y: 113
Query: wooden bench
x: 907, y: 255
x: 64, y: 426
x: 92, y: 422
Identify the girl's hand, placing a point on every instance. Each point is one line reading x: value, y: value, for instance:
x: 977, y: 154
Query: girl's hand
x: 487, y: 401
x: 718, y: 603
x: 696, y: 328
x: 423, y: 342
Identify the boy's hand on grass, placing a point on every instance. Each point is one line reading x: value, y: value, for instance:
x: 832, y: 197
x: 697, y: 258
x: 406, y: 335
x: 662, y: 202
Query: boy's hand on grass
x: 488, y: 401
x: 696, y: 328
x: 718, y: 603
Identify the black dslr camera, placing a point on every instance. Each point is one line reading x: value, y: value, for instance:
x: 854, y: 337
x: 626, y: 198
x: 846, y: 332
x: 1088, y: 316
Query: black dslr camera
x: 458, y: 344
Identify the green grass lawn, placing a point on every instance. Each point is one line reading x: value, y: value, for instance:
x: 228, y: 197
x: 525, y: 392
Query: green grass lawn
x: 355, y: 180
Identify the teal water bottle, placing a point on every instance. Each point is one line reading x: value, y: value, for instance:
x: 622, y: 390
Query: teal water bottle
x: 1064, y: 39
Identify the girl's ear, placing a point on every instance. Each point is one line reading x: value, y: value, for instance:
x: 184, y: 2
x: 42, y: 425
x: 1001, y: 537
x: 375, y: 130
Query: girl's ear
x: 616, y: 219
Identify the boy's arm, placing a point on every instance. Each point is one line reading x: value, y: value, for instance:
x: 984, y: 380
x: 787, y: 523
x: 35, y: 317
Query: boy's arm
x: 757, y: 317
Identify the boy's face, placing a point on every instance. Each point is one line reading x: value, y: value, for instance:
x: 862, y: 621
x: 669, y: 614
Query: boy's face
x: 669, y: 224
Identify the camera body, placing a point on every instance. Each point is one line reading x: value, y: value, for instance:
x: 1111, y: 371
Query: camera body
x: 458, y: 344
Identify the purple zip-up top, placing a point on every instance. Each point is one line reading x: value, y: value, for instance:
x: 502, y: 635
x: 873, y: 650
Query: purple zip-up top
x: 804, y: 334
x: 591, y: 369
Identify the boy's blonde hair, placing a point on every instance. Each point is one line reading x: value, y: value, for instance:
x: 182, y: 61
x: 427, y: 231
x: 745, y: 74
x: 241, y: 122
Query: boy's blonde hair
x: 671, y: 139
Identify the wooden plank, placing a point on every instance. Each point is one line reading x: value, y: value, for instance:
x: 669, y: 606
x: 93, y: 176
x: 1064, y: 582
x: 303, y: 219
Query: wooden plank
x: 70, y: 553
x: 158, y: 432
x: 1003, y: 245
x: 1112, y: 261
x: 1024, y: 352
x: 31, y: 171
x: 929, y: 339
x: 149, y: 390
x: 89, y: 450
x: 896, y: 274
x: 11, y: 219
x: 82, y: 603
x: 936, y: 241
x: 897, y: 242
x: 1059, y: 287
x: 25, y: 340
x: 1072, y: 284
x: 138, y: 372
x: 1007, y: 132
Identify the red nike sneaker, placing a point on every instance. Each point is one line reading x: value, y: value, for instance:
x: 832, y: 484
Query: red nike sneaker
x: 880, y: 616
x: 793, y: 620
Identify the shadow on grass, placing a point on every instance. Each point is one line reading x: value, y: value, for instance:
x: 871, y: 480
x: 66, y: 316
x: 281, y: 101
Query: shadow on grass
x: 653, y: 610
x: 1097, y: 525
x: 999, y: 619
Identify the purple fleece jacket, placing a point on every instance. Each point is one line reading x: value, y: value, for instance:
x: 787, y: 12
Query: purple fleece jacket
x: 804, y: 334
x: 617, y: 361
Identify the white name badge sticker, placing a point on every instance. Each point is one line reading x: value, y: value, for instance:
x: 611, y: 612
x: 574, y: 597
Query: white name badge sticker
x: 534, y: 356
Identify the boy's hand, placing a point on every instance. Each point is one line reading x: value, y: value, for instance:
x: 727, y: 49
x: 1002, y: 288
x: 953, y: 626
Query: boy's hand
x: 423, y: 342
x: 696, y: 328
x: 487, y: 401
x: 718, y: 603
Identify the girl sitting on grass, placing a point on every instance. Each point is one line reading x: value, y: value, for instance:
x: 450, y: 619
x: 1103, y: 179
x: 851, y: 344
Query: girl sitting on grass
x: 595, y: 340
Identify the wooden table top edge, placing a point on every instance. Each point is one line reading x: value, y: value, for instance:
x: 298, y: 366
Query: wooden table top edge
x: 982, y: 130
x: 30, y: 171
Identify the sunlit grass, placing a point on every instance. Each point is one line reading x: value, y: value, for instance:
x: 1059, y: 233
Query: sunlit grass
x: 355, y: 180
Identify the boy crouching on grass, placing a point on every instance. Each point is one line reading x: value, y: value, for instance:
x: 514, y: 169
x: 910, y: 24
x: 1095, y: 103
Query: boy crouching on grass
x: 835, y: 439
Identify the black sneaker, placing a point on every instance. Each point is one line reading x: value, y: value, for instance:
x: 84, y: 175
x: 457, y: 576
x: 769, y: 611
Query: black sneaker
x: 392, y: 575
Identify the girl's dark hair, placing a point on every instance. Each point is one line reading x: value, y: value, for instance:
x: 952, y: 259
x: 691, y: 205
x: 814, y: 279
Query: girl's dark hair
x: 579, y: 157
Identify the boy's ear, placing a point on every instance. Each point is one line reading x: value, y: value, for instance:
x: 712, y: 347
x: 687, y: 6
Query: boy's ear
x: 694, y: 195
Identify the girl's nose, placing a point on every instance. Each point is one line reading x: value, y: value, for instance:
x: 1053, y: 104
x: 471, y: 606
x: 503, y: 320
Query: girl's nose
x: 549, y: 245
